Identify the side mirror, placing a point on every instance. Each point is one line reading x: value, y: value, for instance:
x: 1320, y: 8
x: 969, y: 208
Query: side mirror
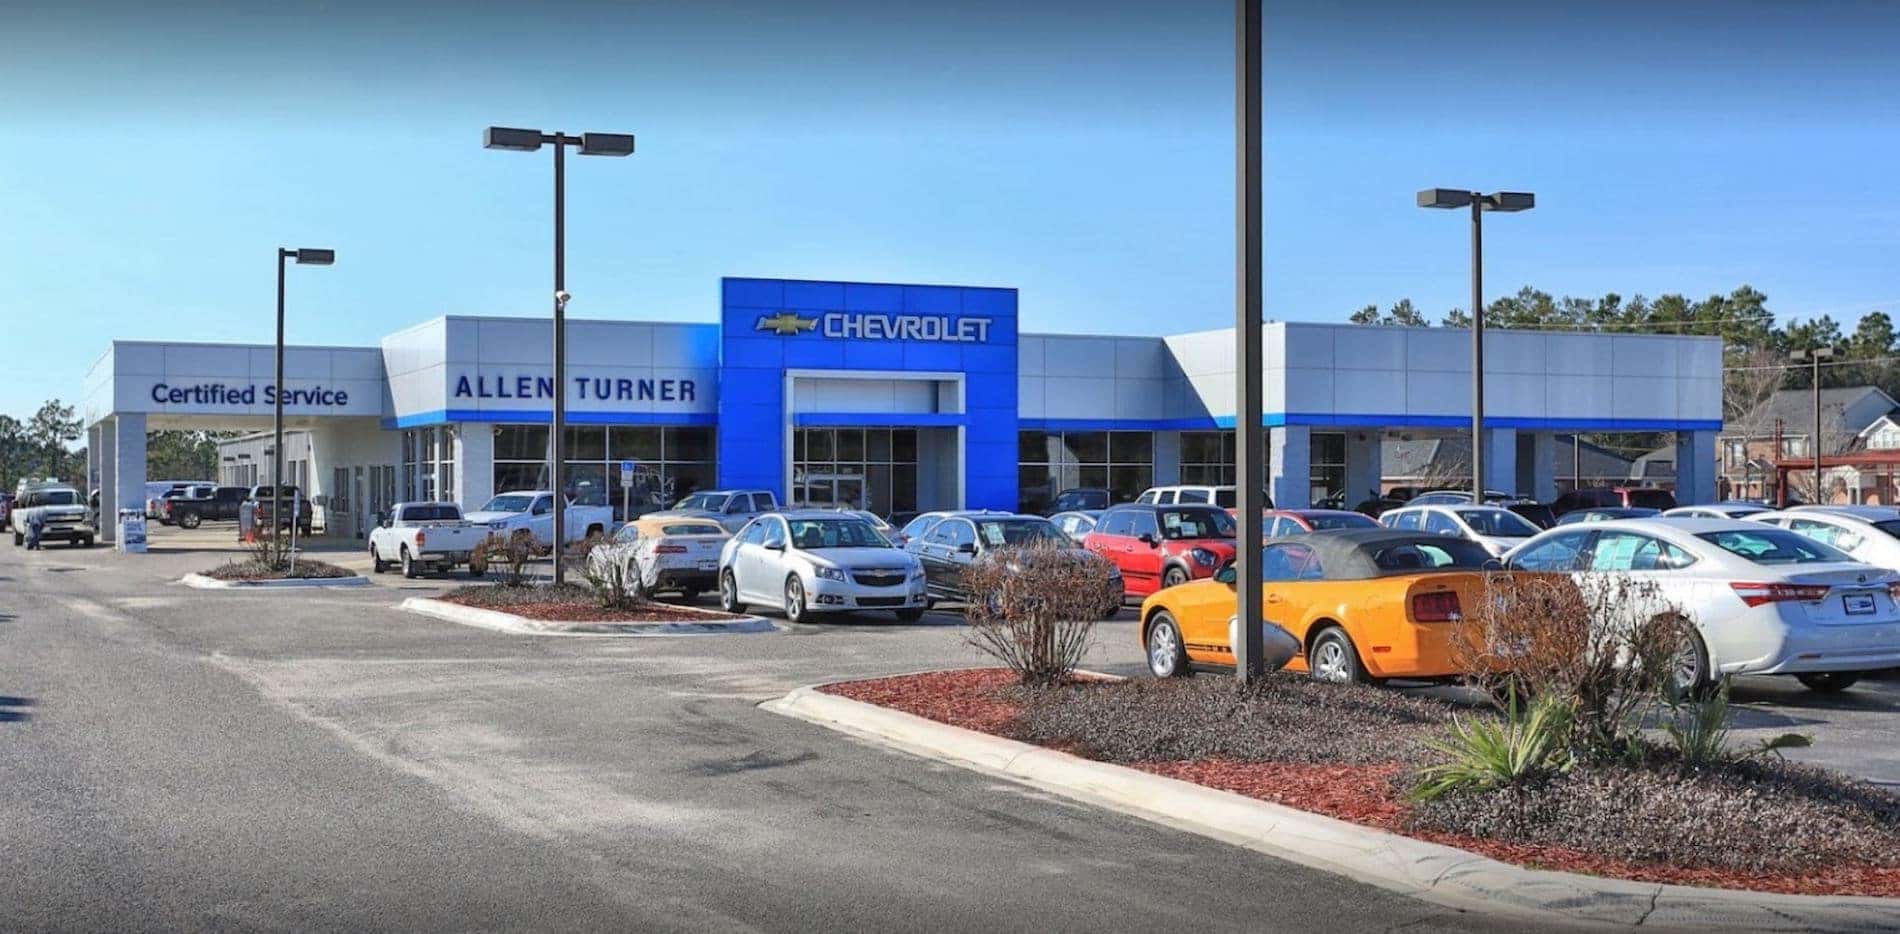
x: 968, y: 548
x: 1147, y: 538
x: 775, y: 546
x: 1228, y: 574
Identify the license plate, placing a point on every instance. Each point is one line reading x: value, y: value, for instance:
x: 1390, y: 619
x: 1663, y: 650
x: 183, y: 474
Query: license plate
x: 709, y: 565
x: 1858, y: 604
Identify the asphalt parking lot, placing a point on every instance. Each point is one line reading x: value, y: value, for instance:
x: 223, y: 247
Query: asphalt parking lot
x: 191, y: 759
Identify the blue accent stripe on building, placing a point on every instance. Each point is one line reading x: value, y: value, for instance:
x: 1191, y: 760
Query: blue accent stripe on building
x: 879, y: 419
x: 1370, y: 420
x: 545, y: 416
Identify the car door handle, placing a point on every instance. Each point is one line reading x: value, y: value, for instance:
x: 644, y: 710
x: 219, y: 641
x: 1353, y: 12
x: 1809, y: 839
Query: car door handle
x: 1275, y: 598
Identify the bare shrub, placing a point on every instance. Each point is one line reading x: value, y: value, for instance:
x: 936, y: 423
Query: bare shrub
x: 607, y: 579
x: 512, y: 554
x: 1033, y: 608
x: 1606, y: 644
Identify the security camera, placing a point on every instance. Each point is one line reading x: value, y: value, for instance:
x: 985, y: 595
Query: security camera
x: 563, y: 296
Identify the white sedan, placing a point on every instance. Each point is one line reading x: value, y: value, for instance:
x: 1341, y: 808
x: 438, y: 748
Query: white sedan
x: 1866, y: 533
x: 817, y: 561
x: 661, y: 553
x: 1761, y: 600
x: 1495, y: 528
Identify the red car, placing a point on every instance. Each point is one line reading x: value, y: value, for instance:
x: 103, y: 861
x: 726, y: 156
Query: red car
x: 1301, y: 521
x: 1161, y: 546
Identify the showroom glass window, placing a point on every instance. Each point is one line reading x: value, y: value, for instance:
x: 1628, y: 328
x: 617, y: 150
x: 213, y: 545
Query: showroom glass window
x: 1207, y: 457
x: 867, y: 468
x: 1049, y: 462
x: 1328, y: 465
x: 669, y: 464
x: 428, y: 463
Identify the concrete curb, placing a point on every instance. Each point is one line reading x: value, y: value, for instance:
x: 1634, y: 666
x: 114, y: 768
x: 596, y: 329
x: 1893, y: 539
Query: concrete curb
x: 523, y: 626
x: 1428, y: 871
x: 211, y: 583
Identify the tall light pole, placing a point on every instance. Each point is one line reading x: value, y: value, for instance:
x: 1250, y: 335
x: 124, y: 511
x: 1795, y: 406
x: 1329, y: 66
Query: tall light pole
x: 589, y: 144
x: 1479, y: 202
x: 1815, y: 356
x: 1249, y: 473
x: 303, y: 257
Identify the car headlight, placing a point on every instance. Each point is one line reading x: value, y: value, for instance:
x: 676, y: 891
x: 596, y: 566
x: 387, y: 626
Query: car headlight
x: 916, y: 572
x: 828, y: 573
x: 1204, y: 558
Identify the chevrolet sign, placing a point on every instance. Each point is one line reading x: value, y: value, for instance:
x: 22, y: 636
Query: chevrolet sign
x: 877, y: 326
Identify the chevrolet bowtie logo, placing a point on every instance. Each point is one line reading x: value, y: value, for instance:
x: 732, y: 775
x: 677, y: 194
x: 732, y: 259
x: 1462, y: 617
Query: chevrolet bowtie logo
x: 786, y: 323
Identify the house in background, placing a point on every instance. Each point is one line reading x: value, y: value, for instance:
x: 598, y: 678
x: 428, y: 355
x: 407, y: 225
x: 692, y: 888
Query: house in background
x: 1776, y: 440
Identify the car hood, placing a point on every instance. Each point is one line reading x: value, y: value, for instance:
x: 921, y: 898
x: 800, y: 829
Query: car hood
x: 484, y: 518
x: 858, y: 558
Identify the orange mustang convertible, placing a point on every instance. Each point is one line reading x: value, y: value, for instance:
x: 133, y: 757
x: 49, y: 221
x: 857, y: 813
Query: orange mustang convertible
x: 1365, y: 605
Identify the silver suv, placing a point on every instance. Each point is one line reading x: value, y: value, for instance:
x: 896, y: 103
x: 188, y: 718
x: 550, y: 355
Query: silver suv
x: 816, y: 561
x: 730, y: 508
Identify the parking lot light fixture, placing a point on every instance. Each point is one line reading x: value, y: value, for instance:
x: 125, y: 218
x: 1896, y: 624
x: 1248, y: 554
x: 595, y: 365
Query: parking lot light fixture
x: 516, y: 139
x: 1249, y: 310
x: 1508, y: 202
x: 307, y: 256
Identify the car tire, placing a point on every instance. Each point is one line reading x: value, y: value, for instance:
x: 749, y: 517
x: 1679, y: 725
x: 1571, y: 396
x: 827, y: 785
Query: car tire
x: 690, y: 594
x: 1167, y: 654
x: 88, y: 543
x: 1174, y: 577
x: 1111, y: 611
x: 1689, y: 666
x: 797, y: 606
x: 376, y: 562
x: 189, y: 520
x: 729, y: 593
x: 637, y: 584
x: 910, y: 614
x: 1334, y: 659
x: 1829, y: 682
x: 409, y: 568
x: 18, y: 539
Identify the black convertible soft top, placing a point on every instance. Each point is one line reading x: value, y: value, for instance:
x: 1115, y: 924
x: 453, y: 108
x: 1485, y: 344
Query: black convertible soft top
x: 1361, y: 554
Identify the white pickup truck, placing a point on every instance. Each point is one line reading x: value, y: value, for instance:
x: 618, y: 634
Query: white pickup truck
x: 534, y: 510
x: 424, y: 536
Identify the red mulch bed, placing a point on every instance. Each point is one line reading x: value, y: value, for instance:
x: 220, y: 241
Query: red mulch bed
x: 988, y: 700
x: 594, y: 613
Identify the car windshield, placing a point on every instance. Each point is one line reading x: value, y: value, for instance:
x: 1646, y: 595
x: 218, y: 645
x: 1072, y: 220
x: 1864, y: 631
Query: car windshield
x: 712, y: 502
x: 1770, y: 545
x: 510, y: 502
x: 1498, y: 523
x: 1341, y: 521
x: 59, y: 498
x: 999, y: 532
x: 813, y: 534
x: 1196, y: 523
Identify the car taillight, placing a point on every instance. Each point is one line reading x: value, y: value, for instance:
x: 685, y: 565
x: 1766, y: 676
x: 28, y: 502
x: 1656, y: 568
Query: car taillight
x: 1436, y: 607
x: 422, y: 538
x: 1756, y: 593
x: 1893, y: 591
x: 669, y: 549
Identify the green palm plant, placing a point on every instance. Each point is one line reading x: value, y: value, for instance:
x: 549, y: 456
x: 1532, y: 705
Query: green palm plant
x: 1531, y: 740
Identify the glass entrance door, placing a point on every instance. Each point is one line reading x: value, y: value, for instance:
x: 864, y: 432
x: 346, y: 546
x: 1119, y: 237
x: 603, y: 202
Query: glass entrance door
x: 866, y: 468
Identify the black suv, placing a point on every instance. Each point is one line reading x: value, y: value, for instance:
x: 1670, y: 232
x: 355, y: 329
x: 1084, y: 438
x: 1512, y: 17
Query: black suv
x: 221, y: 506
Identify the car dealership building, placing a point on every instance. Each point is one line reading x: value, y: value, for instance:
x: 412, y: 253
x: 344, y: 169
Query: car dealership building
x: 900, y: 398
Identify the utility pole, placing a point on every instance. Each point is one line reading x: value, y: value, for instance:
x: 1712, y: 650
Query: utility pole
x: 1815, y: 357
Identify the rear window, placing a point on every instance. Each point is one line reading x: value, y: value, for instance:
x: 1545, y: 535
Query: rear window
x: 431, y: 514
x: 1226, y: 499
x: 692, y: 528
x: 1771, y: 545
x: 1425, y: 556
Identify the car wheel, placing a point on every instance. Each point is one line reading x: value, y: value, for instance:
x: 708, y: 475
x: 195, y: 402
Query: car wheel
x: 1167, y: 656
x: 1689, y: 664
x: 910, y: 614
x: 376, y: 562
x: 18, y: 539
x: 189, y: 520
x: 796, y: 610
x: 1334, y: 659
x: 88, y: 543
x: 1112, y: 610
x: 1174, y: 578
x: 729, y: 593
x: 1828, y: 682
x: 409, y: 569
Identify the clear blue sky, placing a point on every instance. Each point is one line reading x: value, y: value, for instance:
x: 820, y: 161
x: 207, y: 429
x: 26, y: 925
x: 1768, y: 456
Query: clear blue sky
x: 154, y: 160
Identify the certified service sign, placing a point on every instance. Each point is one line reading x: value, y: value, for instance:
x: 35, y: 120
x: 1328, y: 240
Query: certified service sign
x: 878, y: 326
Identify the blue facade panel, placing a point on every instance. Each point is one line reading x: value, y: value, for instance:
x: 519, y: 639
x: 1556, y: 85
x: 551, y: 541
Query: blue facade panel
x: 769, y: 326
